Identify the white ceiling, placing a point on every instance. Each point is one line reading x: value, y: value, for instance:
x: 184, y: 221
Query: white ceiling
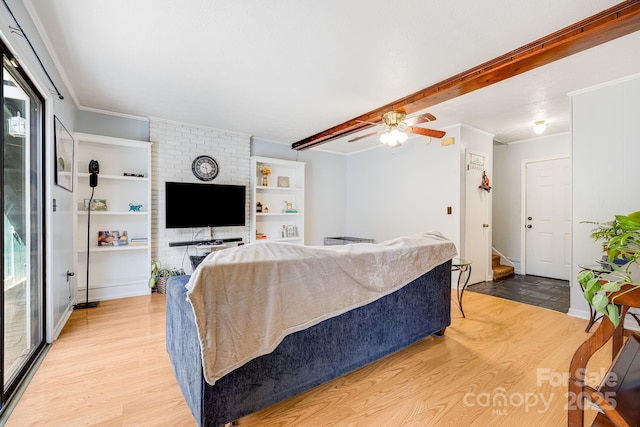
x: 282, y: 70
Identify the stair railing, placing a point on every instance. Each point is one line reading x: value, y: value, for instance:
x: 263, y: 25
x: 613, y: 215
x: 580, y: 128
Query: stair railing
x: 502, y: 257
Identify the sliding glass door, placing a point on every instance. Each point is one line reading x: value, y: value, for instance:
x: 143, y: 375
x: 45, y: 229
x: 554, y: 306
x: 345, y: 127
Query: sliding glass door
x: 22, y: 308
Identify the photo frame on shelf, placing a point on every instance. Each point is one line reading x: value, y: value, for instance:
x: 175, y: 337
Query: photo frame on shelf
x: 291, y: 231
x: 96, y: 204
x: 64, y: 156
x: 112, y: 238
x: 283, y: 181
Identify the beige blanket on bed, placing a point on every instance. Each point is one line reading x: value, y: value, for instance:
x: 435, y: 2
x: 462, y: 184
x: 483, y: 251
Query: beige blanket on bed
x: 247, y: 299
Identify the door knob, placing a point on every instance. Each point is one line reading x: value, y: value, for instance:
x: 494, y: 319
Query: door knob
x: 485, y: 225
x: 70, y: 274
x: 529, y: 225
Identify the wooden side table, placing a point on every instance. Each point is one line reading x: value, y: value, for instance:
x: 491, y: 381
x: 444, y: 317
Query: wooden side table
x: 618, y: 395
x: 464, y: 267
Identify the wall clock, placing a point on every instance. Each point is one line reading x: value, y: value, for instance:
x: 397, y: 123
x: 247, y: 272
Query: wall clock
x: 204, y: 168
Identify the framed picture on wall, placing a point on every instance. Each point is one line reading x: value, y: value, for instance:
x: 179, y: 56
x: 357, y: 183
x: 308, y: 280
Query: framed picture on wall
x: 64, y: 155
x: 283, y: 181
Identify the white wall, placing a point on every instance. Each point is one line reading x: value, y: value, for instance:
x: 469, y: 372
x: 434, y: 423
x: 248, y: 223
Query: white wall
x: 405, y: 191
x: 393, y: 193
x: 606, y: 148
x: 506, y: 189
x: 175, y: 145
x: 325, y: 189
x: 110, y: 125
x: 58, y: 222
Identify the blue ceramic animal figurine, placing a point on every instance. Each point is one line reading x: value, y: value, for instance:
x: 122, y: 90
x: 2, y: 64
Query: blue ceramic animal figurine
x: 134, y: 208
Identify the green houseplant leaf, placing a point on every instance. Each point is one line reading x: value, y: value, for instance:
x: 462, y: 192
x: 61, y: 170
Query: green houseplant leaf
x: 600, y: 301
x: 611, y: 287
x: 621, y: 239
x: 613, y: 314
x: 153, y: 277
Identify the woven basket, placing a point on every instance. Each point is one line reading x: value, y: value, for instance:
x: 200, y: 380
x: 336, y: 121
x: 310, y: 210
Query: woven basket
x: 161, y: 285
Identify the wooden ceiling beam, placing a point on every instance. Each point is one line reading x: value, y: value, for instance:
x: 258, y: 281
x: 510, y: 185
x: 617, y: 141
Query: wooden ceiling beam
x: 605, y: 26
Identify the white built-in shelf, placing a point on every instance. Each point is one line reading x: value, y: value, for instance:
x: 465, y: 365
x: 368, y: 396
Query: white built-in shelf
x: 85, y: 175
x: 275, y: 199
x: 114, y: 248
x: 271, y: 188
x: 280, y: 239
x: 278, y: 214
x: 109, y: 213
x: 114, y: 271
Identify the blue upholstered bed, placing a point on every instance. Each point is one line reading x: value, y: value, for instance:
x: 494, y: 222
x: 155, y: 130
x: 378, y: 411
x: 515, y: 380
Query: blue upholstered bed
x: 309, y: 357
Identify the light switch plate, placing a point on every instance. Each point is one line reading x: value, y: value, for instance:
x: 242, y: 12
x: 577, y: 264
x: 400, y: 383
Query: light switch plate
x: 448, y: 141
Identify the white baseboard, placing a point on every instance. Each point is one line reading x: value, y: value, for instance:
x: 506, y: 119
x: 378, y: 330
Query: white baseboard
x: 58, y: 328
x: 629, y: 322
x: 113, y: 292
x: 582, y: 314
x: 516, y: 265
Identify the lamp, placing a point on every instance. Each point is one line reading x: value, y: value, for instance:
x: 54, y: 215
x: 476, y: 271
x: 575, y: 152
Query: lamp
x: 393, y: 137
x: 539, y: 127
x: 94, y: 170
x: 17, y: 126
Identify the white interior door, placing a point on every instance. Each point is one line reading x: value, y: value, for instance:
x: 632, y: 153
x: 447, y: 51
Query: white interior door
x: 476, y: 246
x: 547, y: 218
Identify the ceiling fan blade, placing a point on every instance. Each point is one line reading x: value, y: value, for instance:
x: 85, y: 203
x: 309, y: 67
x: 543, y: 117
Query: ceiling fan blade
x: 426, y: 132
x: 357, y: 138
x: 369, y: 123
x: 427, y: 117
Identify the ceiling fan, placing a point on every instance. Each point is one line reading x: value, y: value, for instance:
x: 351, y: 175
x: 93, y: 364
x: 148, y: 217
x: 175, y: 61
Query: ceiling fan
x: 398, y: 125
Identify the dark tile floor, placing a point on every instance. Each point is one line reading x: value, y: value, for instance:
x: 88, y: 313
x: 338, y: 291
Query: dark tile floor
x: 534, y: 290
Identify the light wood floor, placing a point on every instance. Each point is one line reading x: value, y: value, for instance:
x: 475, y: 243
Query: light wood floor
x: 110, y: 368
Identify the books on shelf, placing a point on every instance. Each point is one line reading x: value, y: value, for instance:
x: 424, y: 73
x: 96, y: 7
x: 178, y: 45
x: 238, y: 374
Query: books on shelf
x: 138, y: 241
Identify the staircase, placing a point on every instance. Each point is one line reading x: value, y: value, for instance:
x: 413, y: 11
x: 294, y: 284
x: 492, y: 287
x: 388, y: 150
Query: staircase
x: 500, y: 271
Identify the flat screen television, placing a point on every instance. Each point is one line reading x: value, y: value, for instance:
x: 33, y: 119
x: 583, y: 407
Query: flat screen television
x: 204, y: 205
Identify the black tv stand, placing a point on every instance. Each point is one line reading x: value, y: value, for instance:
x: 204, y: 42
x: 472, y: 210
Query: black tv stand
x: 211, y: 242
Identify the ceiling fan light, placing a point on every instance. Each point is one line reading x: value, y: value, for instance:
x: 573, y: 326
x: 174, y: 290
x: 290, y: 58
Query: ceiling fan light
x: 395, y: 144
x: 539, y: 127
x: 393, y: 138
x: 402, y: 137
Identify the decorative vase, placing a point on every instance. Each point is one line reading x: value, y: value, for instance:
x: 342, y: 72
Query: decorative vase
x: 265, y: 181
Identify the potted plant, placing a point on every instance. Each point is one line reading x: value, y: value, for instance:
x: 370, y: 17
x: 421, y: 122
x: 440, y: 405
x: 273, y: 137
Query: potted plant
x: 621, y: 237
x: 604, y: 231
x: 159, y: 276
